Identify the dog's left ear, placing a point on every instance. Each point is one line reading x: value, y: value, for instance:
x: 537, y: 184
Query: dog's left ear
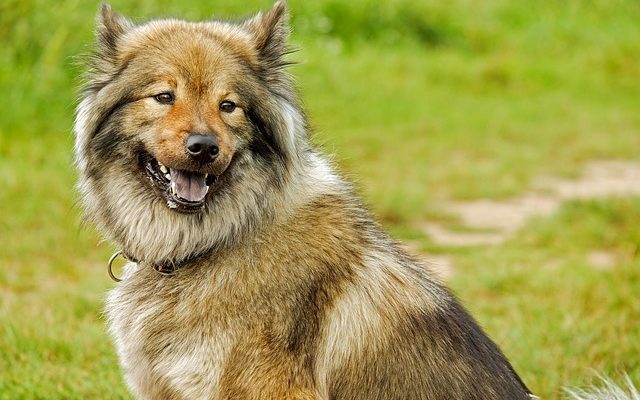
x: 270, y: 31
x: 110, y: 28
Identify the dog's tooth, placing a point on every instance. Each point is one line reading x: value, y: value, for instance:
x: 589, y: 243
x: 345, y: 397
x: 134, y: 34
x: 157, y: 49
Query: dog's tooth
x: 173, y: 187
x: 205, y: 176
x: 166, y: 175
x: 163, y: 169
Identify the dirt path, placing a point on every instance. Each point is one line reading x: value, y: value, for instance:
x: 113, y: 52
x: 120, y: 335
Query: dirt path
x: 491, y: 222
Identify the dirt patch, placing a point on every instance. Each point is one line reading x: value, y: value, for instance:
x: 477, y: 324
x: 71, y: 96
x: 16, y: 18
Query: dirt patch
x: 440, y: 264
x: 602, y: 260
x: 503, y: 218
x: 600, y: 179
x: 442, y: 235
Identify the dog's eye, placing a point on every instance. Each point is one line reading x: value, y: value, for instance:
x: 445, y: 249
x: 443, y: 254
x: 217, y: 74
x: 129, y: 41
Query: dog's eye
x: 227, y: 106
x: 164, y: 98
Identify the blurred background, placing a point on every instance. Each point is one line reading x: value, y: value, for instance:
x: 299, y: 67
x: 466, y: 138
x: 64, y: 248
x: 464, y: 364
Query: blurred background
x: 499, y: 139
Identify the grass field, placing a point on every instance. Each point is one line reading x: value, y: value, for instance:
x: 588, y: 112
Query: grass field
x: 422, y: 102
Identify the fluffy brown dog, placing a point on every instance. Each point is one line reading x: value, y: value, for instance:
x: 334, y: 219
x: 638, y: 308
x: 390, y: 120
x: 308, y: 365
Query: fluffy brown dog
x: 255, y: 272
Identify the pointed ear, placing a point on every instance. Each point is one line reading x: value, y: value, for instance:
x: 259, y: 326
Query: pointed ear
x: 110, y: 27
x: 270, y: 31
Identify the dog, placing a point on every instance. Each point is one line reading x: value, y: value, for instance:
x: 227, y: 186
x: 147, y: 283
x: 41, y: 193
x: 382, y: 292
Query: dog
x: 254, y: 270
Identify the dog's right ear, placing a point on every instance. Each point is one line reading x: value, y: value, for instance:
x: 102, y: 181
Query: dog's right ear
x: 111, y: 26
x: 270, y: 31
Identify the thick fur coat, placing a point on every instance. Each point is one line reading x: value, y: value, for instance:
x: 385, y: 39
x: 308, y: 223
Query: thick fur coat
x: 282, y: 286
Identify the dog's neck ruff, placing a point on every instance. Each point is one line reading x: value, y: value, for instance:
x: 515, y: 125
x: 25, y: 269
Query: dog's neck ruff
x: 165, y: 268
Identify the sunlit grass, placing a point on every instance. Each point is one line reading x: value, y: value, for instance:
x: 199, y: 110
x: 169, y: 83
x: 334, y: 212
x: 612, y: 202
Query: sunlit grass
x: 421, y: 101
x: 561, y: 318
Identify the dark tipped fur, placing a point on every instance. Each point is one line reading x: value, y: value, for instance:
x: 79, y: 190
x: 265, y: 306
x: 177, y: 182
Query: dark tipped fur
x: 271, y: 31
x: 285, y: 287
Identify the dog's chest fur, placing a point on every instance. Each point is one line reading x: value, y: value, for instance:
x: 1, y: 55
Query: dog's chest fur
x: 210, y: 330
x: 169, y: 345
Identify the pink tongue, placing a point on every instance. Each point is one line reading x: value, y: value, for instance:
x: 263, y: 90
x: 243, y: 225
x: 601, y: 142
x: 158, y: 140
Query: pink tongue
x: 188, y: 186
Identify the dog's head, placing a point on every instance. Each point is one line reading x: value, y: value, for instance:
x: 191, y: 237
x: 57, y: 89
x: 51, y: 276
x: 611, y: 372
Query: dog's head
x: 186, y: 127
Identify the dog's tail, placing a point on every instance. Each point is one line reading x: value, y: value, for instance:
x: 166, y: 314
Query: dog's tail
x: 609, y: 390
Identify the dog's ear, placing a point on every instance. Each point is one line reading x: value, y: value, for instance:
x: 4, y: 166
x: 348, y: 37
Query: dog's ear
x: 111, y: 26
x: 270, y: 31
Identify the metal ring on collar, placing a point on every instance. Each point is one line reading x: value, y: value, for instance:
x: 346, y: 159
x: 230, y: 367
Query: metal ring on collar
x: 111, y: 260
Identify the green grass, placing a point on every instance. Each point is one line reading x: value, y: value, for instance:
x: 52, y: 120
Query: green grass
x: 559, y: 316
x: 422, y: 102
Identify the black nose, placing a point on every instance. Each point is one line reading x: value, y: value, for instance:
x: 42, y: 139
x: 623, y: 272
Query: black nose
x: 203, y: 148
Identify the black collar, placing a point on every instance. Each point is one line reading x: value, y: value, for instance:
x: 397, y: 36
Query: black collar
x: 164, y: 268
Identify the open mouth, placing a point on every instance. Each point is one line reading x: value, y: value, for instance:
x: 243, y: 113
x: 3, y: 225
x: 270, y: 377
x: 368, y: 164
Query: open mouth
x: 185, y: 191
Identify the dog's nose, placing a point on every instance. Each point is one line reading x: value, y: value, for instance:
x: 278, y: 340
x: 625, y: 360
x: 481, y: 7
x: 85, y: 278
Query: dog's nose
x: 203, y: 148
